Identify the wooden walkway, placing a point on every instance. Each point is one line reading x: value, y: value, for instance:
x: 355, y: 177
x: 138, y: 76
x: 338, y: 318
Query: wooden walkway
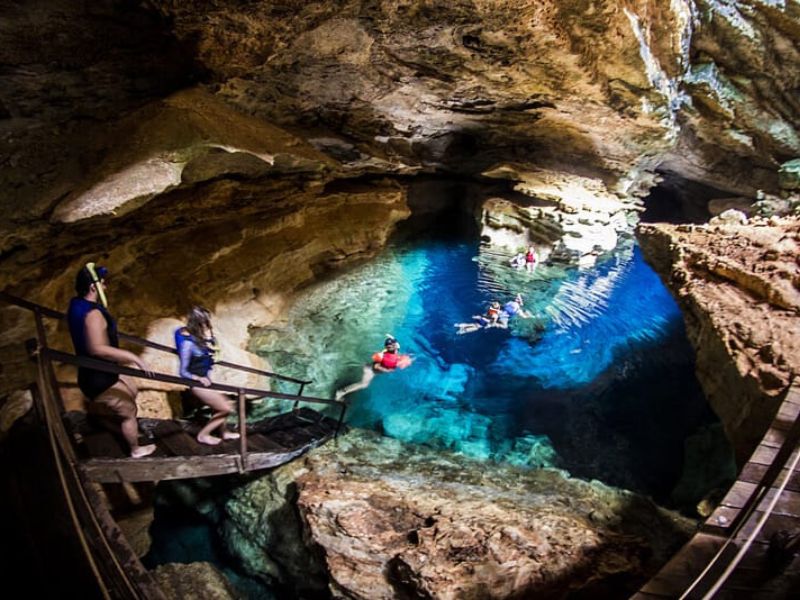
x: 270, y: 442
x: 85, y: 458
x: 740, y: 551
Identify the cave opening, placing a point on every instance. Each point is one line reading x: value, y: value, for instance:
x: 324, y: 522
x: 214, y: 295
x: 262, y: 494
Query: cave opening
x: 679, y: 200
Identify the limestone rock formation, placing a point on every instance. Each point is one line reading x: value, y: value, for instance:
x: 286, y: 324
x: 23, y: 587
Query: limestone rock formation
x: 193, y: 580
x: 739, y: 288
x: 200, y: 148
x: 386, y: 520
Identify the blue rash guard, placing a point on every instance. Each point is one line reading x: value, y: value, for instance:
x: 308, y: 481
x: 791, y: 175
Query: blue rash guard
x: 90, y: 381
x: 196, y: 359
x: 511, y: 308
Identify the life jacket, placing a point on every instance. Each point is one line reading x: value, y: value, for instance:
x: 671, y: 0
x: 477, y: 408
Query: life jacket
x: 76, y: 317
x: 390, y: 360
x: 199, y: 364
x: 492, y: 312
x: 530, y: 257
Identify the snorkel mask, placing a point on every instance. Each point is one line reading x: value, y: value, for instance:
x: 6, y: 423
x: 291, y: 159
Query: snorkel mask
x: 98, y: 273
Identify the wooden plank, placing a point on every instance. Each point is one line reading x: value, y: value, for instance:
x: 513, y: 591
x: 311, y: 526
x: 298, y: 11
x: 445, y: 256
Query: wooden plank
x: 793, y: 395
x: 789, y: 411
x: 260, y: 443
x: 738, y: 494
x: 103, y: 443
x: 774, y: 524
x: 763, y: 455
x: 788, y: 504
x: 721, y: 520
x: 774, y: 437
x: 754, y: 473
x: 676, y: 576
x: 156, y: 469
x: 178, y: 443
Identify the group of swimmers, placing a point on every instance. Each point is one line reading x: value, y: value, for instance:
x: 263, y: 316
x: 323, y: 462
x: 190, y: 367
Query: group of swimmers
x: 112, y: 396
x: 496, y: 316
x: 390, y: 359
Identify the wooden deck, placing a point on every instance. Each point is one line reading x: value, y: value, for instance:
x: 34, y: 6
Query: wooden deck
x: 270, y: 443
x: 763, y: 571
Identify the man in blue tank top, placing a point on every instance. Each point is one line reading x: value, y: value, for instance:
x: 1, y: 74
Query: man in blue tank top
x: 94, y: 335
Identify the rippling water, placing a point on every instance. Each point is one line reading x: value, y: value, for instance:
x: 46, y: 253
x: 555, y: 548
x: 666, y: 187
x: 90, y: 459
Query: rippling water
x: 600, y: 382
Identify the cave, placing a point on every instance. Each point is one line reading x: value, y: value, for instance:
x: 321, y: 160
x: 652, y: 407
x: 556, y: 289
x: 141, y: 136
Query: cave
x: 330, y: 177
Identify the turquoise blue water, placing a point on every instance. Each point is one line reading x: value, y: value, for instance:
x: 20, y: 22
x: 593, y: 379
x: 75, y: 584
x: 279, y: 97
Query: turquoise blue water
x: 599, y: 382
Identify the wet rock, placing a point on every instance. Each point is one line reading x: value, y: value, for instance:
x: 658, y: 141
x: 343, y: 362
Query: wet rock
x: 386, y: 519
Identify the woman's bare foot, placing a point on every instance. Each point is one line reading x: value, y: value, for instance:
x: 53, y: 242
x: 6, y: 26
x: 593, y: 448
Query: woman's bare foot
x: 208, y: 440
x: 141, y: 451
x: 230, y: 435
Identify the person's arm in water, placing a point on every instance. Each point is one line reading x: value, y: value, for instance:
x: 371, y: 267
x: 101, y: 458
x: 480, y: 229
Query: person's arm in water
x: 99, y: 347
x: 185, y: 357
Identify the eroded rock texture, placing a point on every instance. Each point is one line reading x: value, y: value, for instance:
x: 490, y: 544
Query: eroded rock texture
x: 739, y: 287
x: 208, y: 151
x: 370, y: 517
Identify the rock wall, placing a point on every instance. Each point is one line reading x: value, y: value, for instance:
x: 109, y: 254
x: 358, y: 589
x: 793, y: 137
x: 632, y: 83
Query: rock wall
x: 370, y: 517
x: 173, y: 140
x: 739, y: 288
x: 248, y: 218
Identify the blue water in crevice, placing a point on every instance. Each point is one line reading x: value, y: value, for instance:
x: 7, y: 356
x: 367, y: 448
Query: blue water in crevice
x: 600, y: 382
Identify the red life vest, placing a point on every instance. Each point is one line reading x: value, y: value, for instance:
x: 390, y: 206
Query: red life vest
x: 530, y: 257
x: 390, y: 360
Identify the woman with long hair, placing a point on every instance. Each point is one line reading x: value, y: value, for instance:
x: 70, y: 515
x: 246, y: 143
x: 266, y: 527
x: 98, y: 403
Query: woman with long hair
x: 196, y: 344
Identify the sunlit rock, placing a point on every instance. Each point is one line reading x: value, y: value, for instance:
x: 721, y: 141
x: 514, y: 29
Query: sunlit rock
x: 737, y: 285
x: 569, y: 218
x: 387, y: 519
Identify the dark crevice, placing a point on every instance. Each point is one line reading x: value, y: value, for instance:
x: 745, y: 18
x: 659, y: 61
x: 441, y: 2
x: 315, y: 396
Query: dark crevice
x: 679, y: 200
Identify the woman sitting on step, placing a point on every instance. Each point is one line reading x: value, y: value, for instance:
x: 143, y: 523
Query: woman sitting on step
x: 196, y: 345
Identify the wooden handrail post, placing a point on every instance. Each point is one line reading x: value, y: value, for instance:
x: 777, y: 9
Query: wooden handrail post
x: 299, y: 393
x: 341, y: 419
x: 242, y: 429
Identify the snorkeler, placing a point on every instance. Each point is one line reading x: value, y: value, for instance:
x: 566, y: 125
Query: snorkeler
x: 112, y: 397
x: 496, y: 316
x: 385, y: 361
x: 486, y: 320
x: 512, y: 308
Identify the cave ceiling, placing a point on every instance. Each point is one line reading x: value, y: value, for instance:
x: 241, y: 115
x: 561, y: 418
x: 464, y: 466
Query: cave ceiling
x: 110, y: 107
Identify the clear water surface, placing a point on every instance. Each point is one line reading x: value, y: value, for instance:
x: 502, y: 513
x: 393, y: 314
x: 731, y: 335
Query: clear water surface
x: 599, y: 382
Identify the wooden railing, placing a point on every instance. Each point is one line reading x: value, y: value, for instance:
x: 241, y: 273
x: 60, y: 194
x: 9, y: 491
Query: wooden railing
x: 242, y: 393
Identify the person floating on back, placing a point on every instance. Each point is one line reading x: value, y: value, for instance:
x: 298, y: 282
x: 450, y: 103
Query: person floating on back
x: 196, y: 345
x: 480, y: 321
x: 94, y: 335
x: 496, y: 316
x: 385, y: 361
